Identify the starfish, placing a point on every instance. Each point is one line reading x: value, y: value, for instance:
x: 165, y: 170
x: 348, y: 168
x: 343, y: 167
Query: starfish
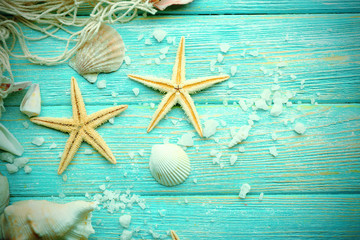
x: 81, y: 127
x: 178, y: 90
x: 173, y: 235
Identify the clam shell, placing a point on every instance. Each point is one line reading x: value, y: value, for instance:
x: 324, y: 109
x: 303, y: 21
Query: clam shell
x: 169, y: 164
x: 9, y: 143
x: 40, y: 219
x: 103, y: 53
x: 4, y: 193
x: 31, y: 103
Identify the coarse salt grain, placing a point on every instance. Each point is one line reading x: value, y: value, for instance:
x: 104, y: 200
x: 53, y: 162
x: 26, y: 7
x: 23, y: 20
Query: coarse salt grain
x: 276, y: 109
x: 261, y: 196
x: 233, y: 70
x: 231, y: 85
x: 299, y: 128
x: 64, y: 177
x: 101, y: 84
x: 159, y: 34
x: 27, y: 169
x: 243, y: 105
x: 164, y: 50
x: 233, y: 159
x: 273, y: 151
x: 241, y: 149
x: 25, y: 124
x: 127, y: 60
x: 11, y: 168
x: 157, y: 61
x: 140, y: 37
x: 38, y: 141
x: 126, y: 235
x: 148, y: 41
x: 220, y: 57
x: 131, y: 155
x: 136, y: 91
x: 245, y: 189
x: 88, y: 151
x: 52, y: 146
x: 273, y: 136
x: 20, y: 162
x: 186, y: 140
x: 125, y: 220
x: 7, y: 157
x: 224, y: 47
x: 112, y: 120
x: 210, y: 127
x: 261, y: 104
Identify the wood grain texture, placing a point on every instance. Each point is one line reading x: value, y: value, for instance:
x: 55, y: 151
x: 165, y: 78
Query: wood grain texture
x: 324, y: 159
x: 323, y: 51
x: 228, y: 217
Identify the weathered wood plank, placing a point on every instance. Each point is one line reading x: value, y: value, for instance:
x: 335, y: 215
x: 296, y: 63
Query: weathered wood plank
x: 261, y: 7
x: 322, y: 50
x: 228, y: 217
x: 324, y: 159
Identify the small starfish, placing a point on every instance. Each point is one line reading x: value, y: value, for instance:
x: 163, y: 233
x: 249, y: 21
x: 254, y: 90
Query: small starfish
x: 178, y: 90
x: 81, y: 127
x: 173, y: 235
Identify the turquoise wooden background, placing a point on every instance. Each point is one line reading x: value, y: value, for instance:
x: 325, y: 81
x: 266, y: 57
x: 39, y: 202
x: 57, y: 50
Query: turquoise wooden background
x: 311, y: 190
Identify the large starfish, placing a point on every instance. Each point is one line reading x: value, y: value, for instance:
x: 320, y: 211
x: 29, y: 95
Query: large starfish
x: 81, y: 127
x: 178, y: 90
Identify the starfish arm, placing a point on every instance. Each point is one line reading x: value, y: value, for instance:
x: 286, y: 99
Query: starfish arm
x: 98, y: 118
x: 188, y: 105
x: 160, y: 84
x: 198, y: 84
x: 78, y: 106
x: 61, y: 124
x: 98, y: 143
x: 72, y: 145
x: 169, y: 100
x: 179, y: 67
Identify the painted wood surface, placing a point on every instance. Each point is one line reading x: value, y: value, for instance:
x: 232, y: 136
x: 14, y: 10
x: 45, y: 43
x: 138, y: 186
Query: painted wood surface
x: 311, y: 189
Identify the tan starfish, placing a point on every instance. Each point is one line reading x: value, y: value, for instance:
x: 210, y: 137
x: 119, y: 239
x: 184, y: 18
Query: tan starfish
x: 178, y: 90
x: 81, y: 127
x: 174, y: 236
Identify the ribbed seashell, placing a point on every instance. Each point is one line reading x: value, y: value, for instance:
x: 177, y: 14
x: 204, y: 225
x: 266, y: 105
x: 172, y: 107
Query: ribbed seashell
x: 31, y: 103
x: 241, y: 135
x: 4, y: 193
x: 9, y: 143
x: 169, y: 164
x: 40, y: 219
x: 102, y: 54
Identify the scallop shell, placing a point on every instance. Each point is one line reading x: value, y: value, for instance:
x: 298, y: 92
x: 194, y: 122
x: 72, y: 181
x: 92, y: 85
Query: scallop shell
x: 103, y: 53
x: 9, y: 143
x: 4, y: 193
x: 169, y: 164
x: 31, y: 103
x: 40, y: 219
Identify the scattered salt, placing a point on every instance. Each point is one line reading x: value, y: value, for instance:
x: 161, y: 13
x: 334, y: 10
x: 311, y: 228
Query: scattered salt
x: 241, y: 149
x: 148, y: 41
x: 157, y: 61
x: 299, y: 128
x: 195, y: 180
x: 131, y: 155
x: 220, y: 57
x: 254, y: 117
x: 210, y: 127
x: 266, y: 94
x: 52, y: 146
x: 11, y: 168
x: 126, y: 235
x: 98, y: 222
x: 273, y: 151
x: 225, y: 102
x: 102, y: 187
x: 125, y: 220
x: 224, y: 47
x: 186, y: 201
x: 275, y: 87
x: 281, y: 64
x: 7, y: 157
x: 114, y: 94
x: 222, y: 123
x: 276, y: 109
x: 162, y: 212
x: 140, y: 37
x: 250, y: 122
x: 170, y: 40
x: 127, y: 60
x: 112, y: 120
x: 152, y: 105
x: 293, y: 77
x: 273, y: 136
x: 254, y: 53
x: 289, y: 104
x: 64, y: 177
x: 233, y: 159
x: 245, y: 189
x: 162, y: 56
x: 20, y: 162
x: 62, y: 195
x: 159, y: 34
x: 231, y: 84
x: 136, y: 91
x: 233, y: 70
x: 213, y: 152
x: 261, y: 196
x: 25, y: 124
x: 243, y: 105
x: 186, y: 140
x: 27, y: 169
x: 164, y: 50
x: 101, y: 84
x: 107, y: 179
x: 261, y: 104
x: 141, y: 152
x: 38, y: 141
x: 88, y: 151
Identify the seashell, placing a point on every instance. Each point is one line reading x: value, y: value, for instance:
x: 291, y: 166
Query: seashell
x: 4, y: 193
x: 169, y: 164
x: 103, y: 53
x: 9, y: 143
x: 31, y: 103
x: 40, y: 219
x: 162, y: 4
x: 18, y: 86
x: 240, y: 136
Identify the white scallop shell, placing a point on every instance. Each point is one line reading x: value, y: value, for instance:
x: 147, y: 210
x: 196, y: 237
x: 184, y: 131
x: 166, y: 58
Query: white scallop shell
x: 103, y: 53
x: 9, y: 143
x: 40, y: 219
x: 169, y: 164
x: 4, y: 193
x: 31, y: 103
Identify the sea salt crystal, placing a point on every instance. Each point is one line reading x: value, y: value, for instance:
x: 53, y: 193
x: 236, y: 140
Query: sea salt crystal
x: 159, y: 34
x: 250, y: 122
x: 131, y: 155
x: 299, y: 128
x: 136, y: 91
x: 140, y: 37
x: 289, y: 104
x: 281, y: 64
x: 38, y: 141
x: 142, y: 54
x: 186, y: 201
x: 152, y: 105
x: 220, y: 57
x: 98, y: 222
x: 243, y: 105
x: 107, y: 179
x: 141, y: 152
x: 101, y: 84
x: 254, y: 53
x: 60, y: 154
x: 276, y: 109
x: 27, y: 169
x: 62, y: 195
x: 224, y: 47
x: 125, y: 220
x: 162, y: 212
x: 245, y: 189
x: 241, y: 149
x: 157, y: 61
x: 164, y: 50
x: 112, y: 120
x: 273, y: 136
x: 254, y: 117
x: 293, y: 77
x: 275, y: 87
x: 261, y: 196
x: 162, y: 56
x: 170, y: 40
x: 216, y: 139
x: 11, y: 168
x: 273, y: 151
x: 52, y: 146
x: 266, y: 94
x: 232, y: 131
x: 88, y: 151
x: 126, y: 235
x: 64, y: 177
x: 225, y: 102
x: 261, y: 104
x: 233, y: 159
x: 195, y: 181
x: 148, y: 41
x: 233, y: 70
x: 210, y: 127
x: 213, y: 152
x: 20, y: 162
x: 186, y: 140
x: 114, y: 94
x: 231, y: 85
x: 7, y: 157
x: 25, y: 124
x: 127, y: 60
x: 222, y: 123
x: 102, y: 187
